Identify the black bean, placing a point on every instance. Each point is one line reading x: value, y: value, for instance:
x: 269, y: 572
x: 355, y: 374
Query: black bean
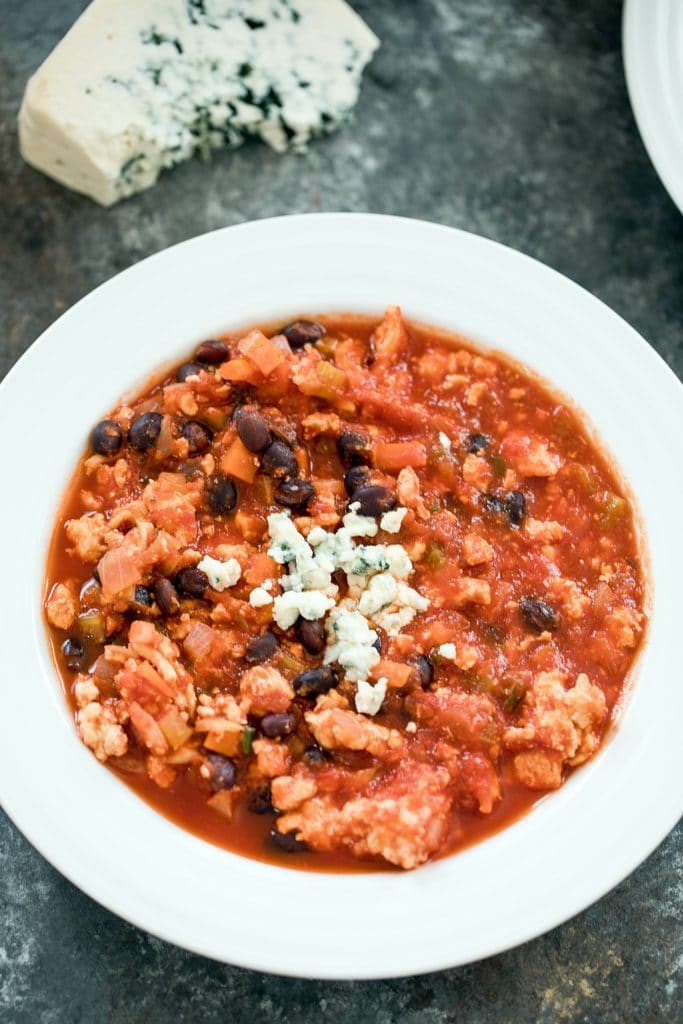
x: 191, y: 581
x: 425, y: 670
x: 303, y: 332
x: 312, y: 635
x: 143, y: 596
x: 187, y: 370
x: 221, y: 495
x: 223, y: 773
x: 374, y: 500
x: 259, y: 801
x: 539, y: 615
x: 377, y: 644
x: 294, y: 493
x: 314, y: 681
x: 512, y: 505
x: 353, y: 448
x: 279, y: 461
x: 190, y: 469
x: 283, y: 430
x: 197, y: 435
x: 287, y: 841
x: 262, y: 648
x: 494, y: 504
x: 354, y: 478
x: 106, y: 438
x: 144, y: 431
x: 515, y: 506
x: 73, y: 651
x: 240, y: 395
x: 278, y: 724
x: 477, y: 443
x: 252, y: 429
x: 167, y: 597
x: 212, y: 352
x: 316, y: 755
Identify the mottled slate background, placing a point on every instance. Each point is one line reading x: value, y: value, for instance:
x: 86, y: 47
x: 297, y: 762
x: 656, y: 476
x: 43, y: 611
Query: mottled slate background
x: 505, y: 117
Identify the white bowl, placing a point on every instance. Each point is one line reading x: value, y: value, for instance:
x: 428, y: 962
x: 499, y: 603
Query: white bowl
x: 569, y: 850
x: 653, y: 61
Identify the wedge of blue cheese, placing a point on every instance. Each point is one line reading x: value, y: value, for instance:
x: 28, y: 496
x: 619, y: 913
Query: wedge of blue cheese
x: 137, y: 86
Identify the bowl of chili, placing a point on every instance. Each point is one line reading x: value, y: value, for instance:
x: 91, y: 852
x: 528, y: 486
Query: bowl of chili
x: 354, y: 593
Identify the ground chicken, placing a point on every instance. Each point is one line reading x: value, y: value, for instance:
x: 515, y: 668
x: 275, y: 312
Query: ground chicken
x: 62, y: 607
x: 476, y: 550
x: 469, y: 590
x: 272, y: 758
x: 100, y: 730
x: 290, y: 791
x: 545, y: 532
x: 471, y: 719
x: 170, y: 502
x: 529, y: 455
x: 404, y: 821
x: 336, y: 728
x: 623, y: 626
x: 477, y: 472
x: 408, y: 491
x: 264, y: 690
x: 566, y: 722
x: 318, y: 423
x: 538, y: 769
x: 90, y: 536
x: 572, y: 600
x: 390, y: 339
x: 85, y: 691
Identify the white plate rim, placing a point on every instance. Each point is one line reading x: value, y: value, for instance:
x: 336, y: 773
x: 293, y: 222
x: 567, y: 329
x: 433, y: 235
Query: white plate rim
x: 378, y: 948
x: 652, y: 33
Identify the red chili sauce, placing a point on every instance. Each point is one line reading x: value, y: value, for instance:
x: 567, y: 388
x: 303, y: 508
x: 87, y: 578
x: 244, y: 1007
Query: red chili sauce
x: 344, y: 594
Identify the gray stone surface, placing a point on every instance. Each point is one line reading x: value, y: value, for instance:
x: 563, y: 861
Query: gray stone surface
x: 505, y: 117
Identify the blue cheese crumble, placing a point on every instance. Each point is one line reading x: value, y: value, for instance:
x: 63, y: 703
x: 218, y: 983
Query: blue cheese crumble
x: 369, y: 698
x: 378, y: 594
x: 221, y: 575
x: 134, y: 89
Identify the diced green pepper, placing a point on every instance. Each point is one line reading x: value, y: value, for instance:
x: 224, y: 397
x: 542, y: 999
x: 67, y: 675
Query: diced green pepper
x: 434, y: 555
x: 476, y: 683
x: 326, y: 346
x: 216, y: 418
x: 585, y: 480
x: 612, y: 510
x: 248, y: 734
x: 515, y: 695
x: 92, y: 627
x: 563, y: 425
x: 498, y: 466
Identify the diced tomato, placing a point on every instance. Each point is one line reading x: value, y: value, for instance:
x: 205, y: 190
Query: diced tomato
x: 239, y: 462
x: 393, y: 456
x: 262, y: 567
x: 262, y: 352
x: 396, y: 673
x: 223, y: 802
x: 118, y: 569
x: 238, y: 371
x: 226, y: 742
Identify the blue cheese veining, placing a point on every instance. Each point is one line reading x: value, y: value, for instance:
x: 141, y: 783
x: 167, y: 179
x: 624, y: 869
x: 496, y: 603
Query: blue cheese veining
x: 137, y: 86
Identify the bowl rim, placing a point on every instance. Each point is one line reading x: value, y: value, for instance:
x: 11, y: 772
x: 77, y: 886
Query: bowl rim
x: 487, y: 263
x: 650, y: 34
